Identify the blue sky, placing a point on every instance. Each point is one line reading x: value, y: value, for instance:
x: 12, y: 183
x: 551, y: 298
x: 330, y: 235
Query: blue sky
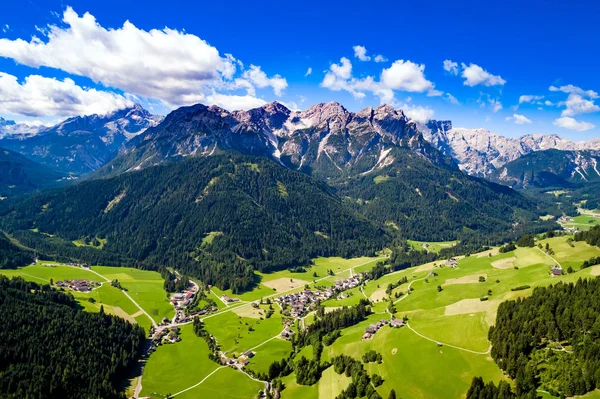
x: 512, y: 67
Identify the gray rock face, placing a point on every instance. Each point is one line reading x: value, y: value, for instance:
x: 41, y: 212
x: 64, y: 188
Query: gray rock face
x: 480, y: 152
x: 84, y: 143
x: 325, y: 140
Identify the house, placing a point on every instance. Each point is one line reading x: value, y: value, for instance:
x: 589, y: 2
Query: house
x: 397, y: 323
x: 249, y: 354
x: 367, y: 335
x: 227, y: 299
x: 557, y: 270
x: 452, y: 262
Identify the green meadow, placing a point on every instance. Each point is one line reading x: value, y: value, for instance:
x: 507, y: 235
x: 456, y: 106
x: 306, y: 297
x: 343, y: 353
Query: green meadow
x: 144, y: 286
x: 431, y: 246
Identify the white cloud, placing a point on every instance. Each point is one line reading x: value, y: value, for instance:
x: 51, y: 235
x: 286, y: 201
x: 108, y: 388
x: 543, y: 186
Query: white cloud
x: 308, y: 72
x: 407, y: 76
x: 419, y: 114
x: 576, y: 104
x: 450, y: 66
x: 475, y: 75
x: 528, y: 98
x: 572, y: 124
x: 166, y: 64
x: 234, y: 102
x: 5, y: 28
x: 380, y: 58
x: 39, y: 96
x: 343, y: 70
x: 452, y: 99
x: 360, y: 52
x: 495, y: 104
x: 548, y: 103
x: 518, y: 119
x: 574, y: 89
x: 258, y: 78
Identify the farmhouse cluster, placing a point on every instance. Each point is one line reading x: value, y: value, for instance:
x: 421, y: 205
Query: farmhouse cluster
x: 303, y: 302
x: 78, y: 285
x: 373, y: 328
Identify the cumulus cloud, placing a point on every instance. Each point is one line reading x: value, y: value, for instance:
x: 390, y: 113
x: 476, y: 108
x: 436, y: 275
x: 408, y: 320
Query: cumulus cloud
x: 38, y: 96
x: 166, y: 64
x: 308, y: 72
x: 475, y: 75
x: 380, y: 58
x: 407, y: 76
x: 419, y: 114
x: 234, y: 102
x: 528, y: 98
x: 576, y: 104
x: 360, y: 52
x: 256, y: 77
x: 573, y: 124
x: 450, y: 66
x: 518, y: 119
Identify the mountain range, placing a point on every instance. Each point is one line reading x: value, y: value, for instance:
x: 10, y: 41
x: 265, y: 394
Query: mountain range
x: 272, y: 188
x: 480, y: 152
x: 80, y: 144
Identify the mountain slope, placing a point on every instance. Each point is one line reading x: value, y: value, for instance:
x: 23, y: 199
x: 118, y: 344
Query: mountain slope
x: 84, y: 143
x: 433, y: 203
x: 255, y: 213
x: 480, y: 152
x: 11, y: 256
x: 352, y: 152
x: 19, y: 175
x: 550, y: 168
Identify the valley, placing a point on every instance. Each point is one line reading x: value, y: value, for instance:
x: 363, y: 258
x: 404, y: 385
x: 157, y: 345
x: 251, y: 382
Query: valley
x: 443, y: 345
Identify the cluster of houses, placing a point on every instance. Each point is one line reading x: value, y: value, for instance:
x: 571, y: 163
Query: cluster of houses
x: 240, y: 362
x: 78, y: 285
x: 303, y: 302
x: 164, y: 335
x: 346, y: 284
x: 373, y: 328
x: 182, y: 299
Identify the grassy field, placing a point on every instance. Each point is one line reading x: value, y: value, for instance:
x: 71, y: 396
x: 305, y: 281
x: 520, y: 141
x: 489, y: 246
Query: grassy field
x: 144, y: 286
x: 237, y: 334
x: 266, y: 354
x: 174, y: 367
x: 431, y: 246
x: 583, y: 222
x: 226, y: 383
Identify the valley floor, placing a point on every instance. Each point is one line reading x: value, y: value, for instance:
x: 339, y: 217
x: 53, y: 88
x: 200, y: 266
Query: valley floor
x: 437, y: 353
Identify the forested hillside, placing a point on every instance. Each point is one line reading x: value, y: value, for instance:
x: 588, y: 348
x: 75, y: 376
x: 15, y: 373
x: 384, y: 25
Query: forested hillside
x: 433, y: 203
x: 217, y: 218
x: 551, y: 339
x: 12, y: 256
x: 19, y: 175
x: 50, y: 349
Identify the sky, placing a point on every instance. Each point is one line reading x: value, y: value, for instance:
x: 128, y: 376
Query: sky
x: 512, y: 67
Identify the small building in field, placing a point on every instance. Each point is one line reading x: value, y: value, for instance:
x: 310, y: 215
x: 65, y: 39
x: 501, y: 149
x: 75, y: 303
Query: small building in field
x: 397, y: 323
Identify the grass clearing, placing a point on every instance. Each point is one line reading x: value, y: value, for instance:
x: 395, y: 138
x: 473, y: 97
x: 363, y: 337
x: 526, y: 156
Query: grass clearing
x: 168, y: 370
x: 144, y: 286
x: 431, y: 246
x: 471, y: 279
x: 226, y: 383
x: 285, y: 284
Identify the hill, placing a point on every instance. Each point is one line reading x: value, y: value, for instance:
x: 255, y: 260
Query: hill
x: 11, y: 256
x: 19, y: 175
x: 51, y: 349
x: 217, y: 218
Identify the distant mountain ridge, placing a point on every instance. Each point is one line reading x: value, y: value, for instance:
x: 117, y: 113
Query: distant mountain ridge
x: 550, y: 168
x: 480, y: 152
x: 81, y: 144
x: 326, y: 140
